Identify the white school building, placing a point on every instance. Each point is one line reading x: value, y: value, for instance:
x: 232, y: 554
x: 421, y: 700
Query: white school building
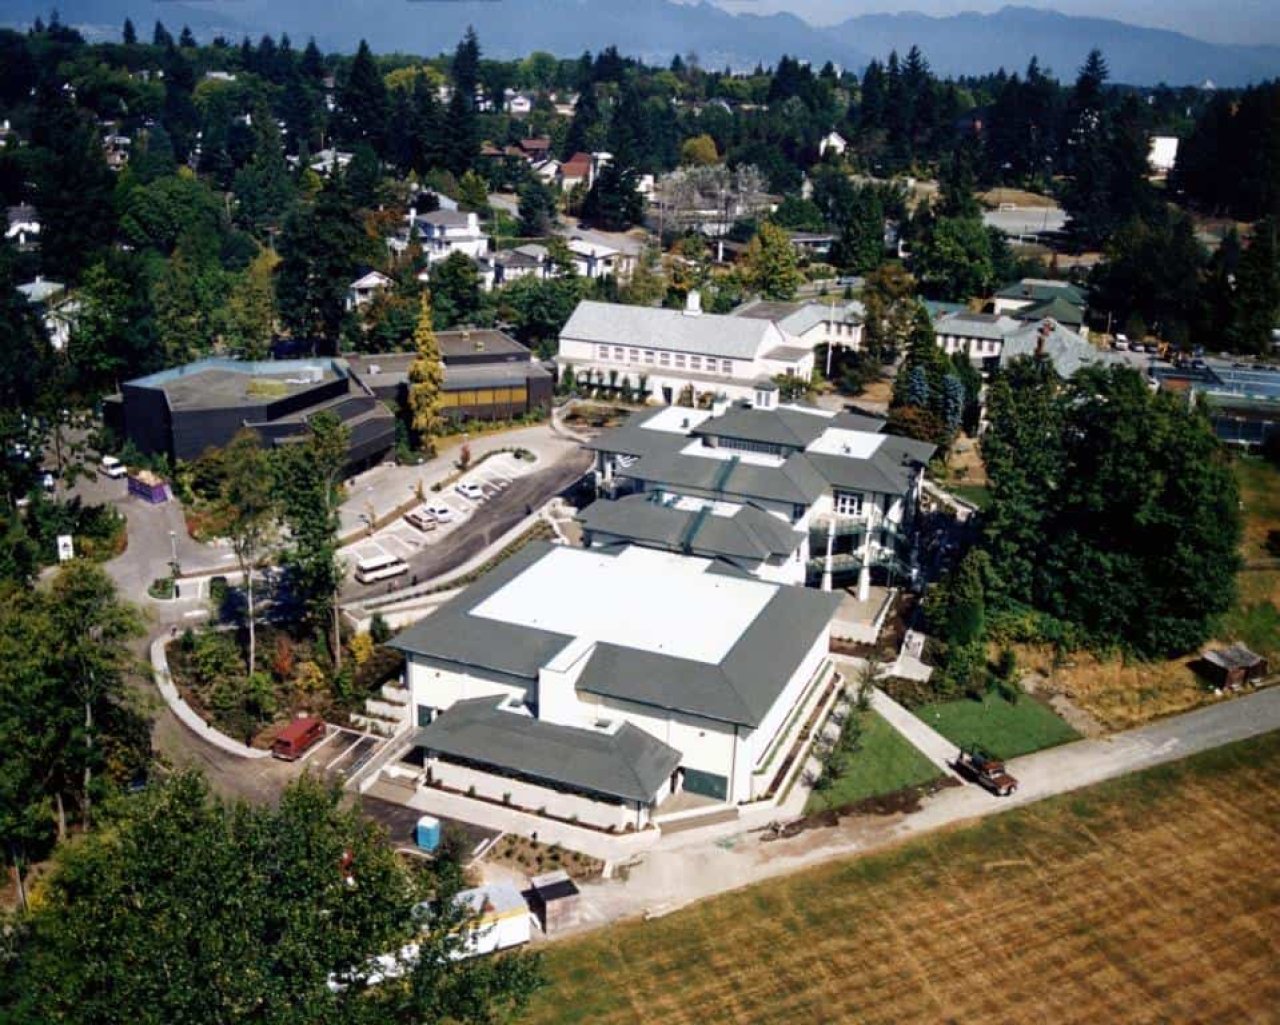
x: 595, y: 685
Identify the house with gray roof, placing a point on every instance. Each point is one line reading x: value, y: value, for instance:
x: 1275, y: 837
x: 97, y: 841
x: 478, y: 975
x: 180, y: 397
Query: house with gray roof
x: 595, y: 684
x: 835, y: 323
x: 848, y: 492
x: 1067, y: 351
x: 1030, y: 291
x: 675, y: 355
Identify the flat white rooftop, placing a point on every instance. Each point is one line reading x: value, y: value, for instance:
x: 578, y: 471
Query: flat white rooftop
x: 835, y: 441
x: 643, y: 599
x: 722, y: 455
x: 676, y: 420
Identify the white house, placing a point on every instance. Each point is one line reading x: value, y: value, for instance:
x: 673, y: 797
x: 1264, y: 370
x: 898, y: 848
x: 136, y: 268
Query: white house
x: 679, y: 351
x: 22, y: 226
x: 788, y: 493
x: 517, y: 104
x: 365, y: 287
x: 981, y: 335
x: 814, y: 323
x: 594, y: 259
x: 326, y: 161
x: 834, y: 142
x: 1163, y: 154
x: 591, y: 685
x: 445, y: 232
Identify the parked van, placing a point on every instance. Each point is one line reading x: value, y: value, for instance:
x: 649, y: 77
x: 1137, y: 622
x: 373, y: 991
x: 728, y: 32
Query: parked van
x: 113, y: 468
x: 297, y: 738
x: 379, y: 567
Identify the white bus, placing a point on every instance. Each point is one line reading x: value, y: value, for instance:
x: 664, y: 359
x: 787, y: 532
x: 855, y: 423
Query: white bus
x: 373, y: 568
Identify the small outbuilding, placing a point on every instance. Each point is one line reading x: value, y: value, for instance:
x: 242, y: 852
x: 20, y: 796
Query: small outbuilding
x: 502, y: 918
x: 555, y: 901
x: 1233, y: 666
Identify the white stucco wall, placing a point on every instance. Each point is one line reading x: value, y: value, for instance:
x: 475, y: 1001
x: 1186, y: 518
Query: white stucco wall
x: 441, y: 688
x: 601, y: 814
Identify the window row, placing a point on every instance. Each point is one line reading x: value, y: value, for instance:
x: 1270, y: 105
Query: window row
x: 650, y: 357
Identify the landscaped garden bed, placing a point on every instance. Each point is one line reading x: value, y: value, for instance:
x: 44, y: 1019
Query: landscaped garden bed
x: 532, y: 857
x: 295, y: 674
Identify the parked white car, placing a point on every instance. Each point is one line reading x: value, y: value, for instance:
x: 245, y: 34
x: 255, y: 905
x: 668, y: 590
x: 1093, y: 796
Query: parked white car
x: 472, y: 491
x: 442, y: 513
x: 113, y: 468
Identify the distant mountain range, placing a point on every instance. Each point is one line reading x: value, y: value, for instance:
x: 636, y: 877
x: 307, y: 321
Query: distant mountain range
x: 655, y: 30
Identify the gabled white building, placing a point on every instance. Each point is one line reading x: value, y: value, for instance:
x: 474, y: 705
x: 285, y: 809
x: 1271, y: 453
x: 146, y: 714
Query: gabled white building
x: 679, y: 351
x: 593, y: 685
x: 22, y: 226
x: 814, y: 323
x: 442, y: 233
x: 832, y: 142
x: 365, y: 287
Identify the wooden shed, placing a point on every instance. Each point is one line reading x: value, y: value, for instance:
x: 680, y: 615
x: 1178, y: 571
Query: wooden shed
x: 555, y: 901
x: 1233, y: 666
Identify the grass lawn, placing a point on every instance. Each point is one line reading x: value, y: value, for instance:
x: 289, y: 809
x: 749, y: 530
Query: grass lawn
x: 1004, y: 729
x: 884, y: 763
x: 978, y: 494
x: 1105, y: 905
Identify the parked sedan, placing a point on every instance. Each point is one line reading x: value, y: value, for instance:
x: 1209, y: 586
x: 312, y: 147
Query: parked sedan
x: 472, y: 491
x: 421, y: 519
x: 442, y: 513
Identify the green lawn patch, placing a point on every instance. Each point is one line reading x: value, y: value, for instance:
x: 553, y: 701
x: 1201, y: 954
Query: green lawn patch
x: 1006, y: 730
x: 978, y: 494
x: 885, y: 762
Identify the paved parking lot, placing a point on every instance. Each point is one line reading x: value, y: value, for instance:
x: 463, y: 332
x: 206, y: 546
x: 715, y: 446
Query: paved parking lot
x: 399, y: 821
x: 494, y: 476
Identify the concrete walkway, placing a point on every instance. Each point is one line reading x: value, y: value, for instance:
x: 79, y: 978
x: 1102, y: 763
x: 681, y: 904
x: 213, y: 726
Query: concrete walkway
x: 188, y: 716
x: 923, y: 737
x: 667, y: 879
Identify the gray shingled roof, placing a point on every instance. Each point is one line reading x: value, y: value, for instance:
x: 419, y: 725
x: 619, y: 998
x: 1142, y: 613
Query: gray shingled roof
x: 743, y: 687
x: 628, y: 764
x: 750, y: 534
x: 988, y: 326
x: 802, y: 477
x: 673, y: 330
x: 1065, y: 349
x: 1042, y: 290
x: 787, y: 427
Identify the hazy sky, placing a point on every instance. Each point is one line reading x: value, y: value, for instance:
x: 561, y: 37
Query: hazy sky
x: 1221, y: 21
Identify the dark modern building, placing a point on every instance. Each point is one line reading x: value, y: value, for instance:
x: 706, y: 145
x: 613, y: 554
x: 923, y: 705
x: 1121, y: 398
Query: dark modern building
x: 488, y: 375
x: 184, y: 411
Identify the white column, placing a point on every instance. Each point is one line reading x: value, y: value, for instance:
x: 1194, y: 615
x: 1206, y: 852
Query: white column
x: 831, y: 545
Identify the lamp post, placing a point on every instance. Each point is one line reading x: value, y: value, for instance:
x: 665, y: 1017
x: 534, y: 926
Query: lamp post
x: 173, y: 551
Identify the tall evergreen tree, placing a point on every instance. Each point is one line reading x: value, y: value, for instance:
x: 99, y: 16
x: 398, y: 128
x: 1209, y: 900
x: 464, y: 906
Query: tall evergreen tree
x: 426, y: 379
x: 130, y: 34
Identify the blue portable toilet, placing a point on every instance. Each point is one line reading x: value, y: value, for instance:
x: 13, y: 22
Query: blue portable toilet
x: 427, y: 833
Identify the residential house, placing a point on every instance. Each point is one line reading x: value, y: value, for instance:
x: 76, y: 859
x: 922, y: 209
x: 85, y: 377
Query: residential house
x: 1032, y: 292
x: 593, y: 685
x: 365, y: 287
x: 1067, y: 351
x: 814, y: 323
x: 326, y: 161
x: 442, y: 233
x: 536, y: 149
x: 57, y: 310
x: 577, y: 170
x: 592, y: 259
x: 1163, y: 154
x: 816, y: 245
x: 981, y: 335
x: 789, y: 493
x: 548, y: 171
x: 832, y: 142
x: 517, y: 104
x: 22, y: 226
x: 678, y: 353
